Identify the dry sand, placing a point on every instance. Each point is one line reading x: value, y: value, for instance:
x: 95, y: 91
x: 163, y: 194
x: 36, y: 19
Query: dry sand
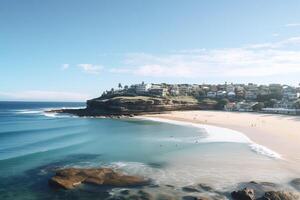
x: 281, y: 133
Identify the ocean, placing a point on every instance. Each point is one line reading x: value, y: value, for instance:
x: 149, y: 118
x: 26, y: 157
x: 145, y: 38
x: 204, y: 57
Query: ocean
x: 34, y: 143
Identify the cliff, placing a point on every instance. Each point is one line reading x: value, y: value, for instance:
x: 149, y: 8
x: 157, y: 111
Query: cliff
x: 135, y: 105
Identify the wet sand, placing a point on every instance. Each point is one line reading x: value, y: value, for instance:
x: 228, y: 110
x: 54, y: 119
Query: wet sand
x: 281, y: 133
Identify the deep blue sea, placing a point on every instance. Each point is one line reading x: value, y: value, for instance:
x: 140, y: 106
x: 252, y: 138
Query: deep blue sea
x: 34, y: 143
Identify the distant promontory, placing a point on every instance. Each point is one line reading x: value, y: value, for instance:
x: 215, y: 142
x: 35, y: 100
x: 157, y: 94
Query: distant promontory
x: 144, y: 98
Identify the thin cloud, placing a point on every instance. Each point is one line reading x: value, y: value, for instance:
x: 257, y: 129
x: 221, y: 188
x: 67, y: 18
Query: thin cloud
x: 65, y: 66
x: 258, y: 60
x: 90, y: 68
x: 292, y: 25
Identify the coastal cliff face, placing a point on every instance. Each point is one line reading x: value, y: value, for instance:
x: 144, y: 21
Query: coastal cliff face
x: 139, y: 104
x: 135, y: 105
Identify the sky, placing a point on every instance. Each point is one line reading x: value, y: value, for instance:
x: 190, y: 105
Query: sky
x: 73, y: 50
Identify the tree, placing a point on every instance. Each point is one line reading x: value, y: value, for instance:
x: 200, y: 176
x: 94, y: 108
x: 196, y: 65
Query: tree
x: 259, y: 106
x: 221, y: 103
x: 120, y: 86
x: 126, y: 87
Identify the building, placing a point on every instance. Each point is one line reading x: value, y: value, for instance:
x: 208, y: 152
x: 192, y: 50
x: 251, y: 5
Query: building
x: 245, y: 106
x: 250, y: 95
x: 213, y: 88
x: 263, y: 90
x: 162, y: 92
x: 231, y: 106
x: 275, y: 88
x: 221, y: 94
x: 184, y: 89
x: 174, y: 90
x: 231, y: 95
x: 211, y: 94
x: 289, y: 93
x: 141, y: 88
x: 282, y: 111
x: 230, y: 88
x: 239, y: 92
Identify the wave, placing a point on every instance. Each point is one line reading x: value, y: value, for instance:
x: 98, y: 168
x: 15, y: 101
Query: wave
x: 218, y: 134
x: 58, y: 115
x: 43, y: 112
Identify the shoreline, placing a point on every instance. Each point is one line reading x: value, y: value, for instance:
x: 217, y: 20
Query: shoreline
x: 277, y: 132
x: 228, y: 135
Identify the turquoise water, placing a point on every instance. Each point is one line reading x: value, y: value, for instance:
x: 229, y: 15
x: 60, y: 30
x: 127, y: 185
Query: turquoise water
x: 33, y: 144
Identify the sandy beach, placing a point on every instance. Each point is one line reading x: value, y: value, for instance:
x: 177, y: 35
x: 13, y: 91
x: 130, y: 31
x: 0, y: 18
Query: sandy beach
x: 281, y: 133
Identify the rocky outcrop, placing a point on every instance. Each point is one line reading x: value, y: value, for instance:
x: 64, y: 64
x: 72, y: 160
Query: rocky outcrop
x: 134, y: 105
x: 279, y: 195
x: 72, y: 177
x: 138, y: 104
x: 244, y: 194
x: 249, y: 194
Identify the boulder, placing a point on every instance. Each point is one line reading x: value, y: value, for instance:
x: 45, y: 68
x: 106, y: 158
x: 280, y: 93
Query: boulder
x: 279, y: 195
x: 71, y: 177
x: 296, y: 183
x: 190, y: 189
x: 245, y: 194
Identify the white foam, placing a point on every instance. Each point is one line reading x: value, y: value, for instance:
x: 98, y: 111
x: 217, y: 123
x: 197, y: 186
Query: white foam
x: 29, y: 111
x: 48, y: 114
x: 264, y: 151
x: 218, y: 134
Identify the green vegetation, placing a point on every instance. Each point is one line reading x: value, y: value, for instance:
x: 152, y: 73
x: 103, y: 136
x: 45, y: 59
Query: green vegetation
x: 221, y: 103
x: 187, y: 99
x: 259, y: 106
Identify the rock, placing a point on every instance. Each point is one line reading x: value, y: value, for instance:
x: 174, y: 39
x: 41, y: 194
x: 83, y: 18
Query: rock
x: 205, y: 187
x: 190, y: 189
x: 71, y: 177
x: 125, y: 192
x: 194, y: 198
x: 245, y: 194
x: 260, y: 188
x: 165, y: 197
x: 296, y: 183
x: 279, y: 195
x: 144, y: 195
x: 134, y: 197
x: 170, y: 186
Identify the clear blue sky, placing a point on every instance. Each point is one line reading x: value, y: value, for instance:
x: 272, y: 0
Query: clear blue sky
x: 71, y: 49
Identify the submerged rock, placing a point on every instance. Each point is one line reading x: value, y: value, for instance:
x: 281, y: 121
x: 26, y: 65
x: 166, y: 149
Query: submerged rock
x: 71, y: 177
x: 190, y: 189
x: 279, y: 195
x: 245, y: 194
x: 205, y: 187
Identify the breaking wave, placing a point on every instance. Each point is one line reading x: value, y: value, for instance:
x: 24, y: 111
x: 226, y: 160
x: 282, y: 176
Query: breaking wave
x: 218, y: 134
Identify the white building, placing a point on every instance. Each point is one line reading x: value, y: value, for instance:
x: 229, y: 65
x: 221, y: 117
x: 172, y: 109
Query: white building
x: 221, y: 94
x: 159, y: 91
x: 142, y: 88
x: 174, y: 91
x: 290, y: 93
